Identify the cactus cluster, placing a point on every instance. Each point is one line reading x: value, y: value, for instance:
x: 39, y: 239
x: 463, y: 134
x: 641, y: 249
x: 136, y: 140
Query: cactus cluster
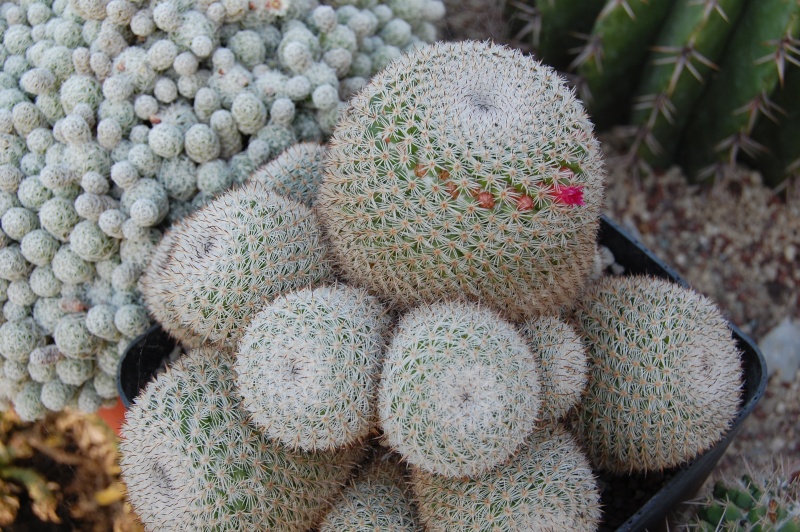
x: 703, y: 84
x: 469, y: 378
x: 118, y: 118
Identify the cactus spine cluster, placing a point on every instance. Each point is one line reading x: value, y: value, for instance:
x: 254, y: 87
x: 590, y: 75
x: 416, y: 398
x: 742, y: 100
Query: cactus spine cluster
x: 665, y: 376
x: 547, y: 485
x: 308, y: 366
x: 447, y: 179
x: 459, y: 391
x: 193, y: 460
x: 218, y: 266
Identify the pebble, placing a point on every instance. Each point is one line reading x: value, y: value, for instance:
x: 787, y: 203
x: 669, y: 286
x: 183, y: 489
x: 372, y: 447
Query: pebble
x: 781, y: 349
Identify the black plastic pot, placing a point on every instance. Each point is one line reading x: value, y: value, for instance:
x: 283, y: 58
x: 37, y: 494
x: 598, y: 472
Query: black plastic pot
x: 658, y: 495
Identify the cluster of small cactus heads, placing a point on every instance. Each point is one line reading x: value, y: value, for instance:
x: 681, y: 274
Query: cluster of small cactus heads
x: 120, y: 117
x: 439, y: 302
x: 703, y: 84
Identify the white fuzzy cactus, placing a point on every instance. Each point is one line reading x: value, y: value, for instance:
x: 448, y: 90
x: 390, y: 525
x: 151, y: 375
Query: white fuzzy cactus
x: 460, y: 389
x: 308, y: 366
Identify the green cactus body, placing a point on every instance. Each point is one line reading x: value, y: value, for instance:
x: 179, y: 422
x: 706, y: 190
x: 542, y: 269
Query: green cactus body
x: 296, y: 173
x: 762, y: 46
x: 547, y: 485
x: 563, y: 362
x: 376, y: 500
x: 763, y: 500
x: 215, y: 268
x: 615, y: 51
x: 192, y: 460
x: 783, y: 157
x: 680, y: 65
x: 459, y: 391
x: 465, y: 170
x: 665, y: 374
x: 308, y: 365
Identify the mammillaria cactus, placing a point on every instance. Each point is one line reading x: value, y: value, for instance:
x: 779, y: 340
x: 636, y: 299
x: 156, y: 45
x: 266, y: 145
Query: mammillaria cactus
x: 563, y: 363
x: 215, y: 268
x: 308, y: 367
x: 459, y: 391
x: 378, y: 499
x: 665, y: 374
x: 547, y: 485
x: 465, y: 170
x: 765, y: 498
x: 192, y: 460
x: 296, y: 173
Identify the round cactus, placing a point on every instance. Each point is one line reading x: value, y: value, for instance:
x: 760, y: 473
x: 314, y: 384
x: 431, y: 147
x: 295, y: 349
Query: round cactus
x: 215, y: 268
x: 465, y: 170
x: 308, y: 367
x: 547, y: 485
x: 375, y: 500
x: 192, y: 460
x: 563, y: 363
x: 296, y: 173
x: 459, y: 390
x: 665, y: 374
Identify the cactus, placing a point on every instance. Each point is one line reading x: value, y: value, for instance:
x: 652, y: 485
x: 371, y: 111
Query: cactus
x: 296, y: 173
x: 762, y: 47
x: 766, y: 498
x: 442, y: 182
x: 192, y: 460
x: 665, y: 374
x: 308, y: 365
x: 459, y: 390
x: 217, y: 267
x: 563, y: 364
x: 547, y: 485
x: 378, y: 499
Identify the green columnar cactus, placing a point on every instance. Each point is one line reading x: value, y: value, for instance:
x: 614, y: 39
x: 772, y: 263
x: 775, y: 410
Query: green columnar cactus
x: 215, y: 268
x: 665, y: 374
x: 563, y: 363
x: 378, y: 499
x: 296, y: 173
x: 683, y: 58
x: 465, y: 170
x: 615, y: 50
x: 308, y: 367
x: 762, y: 47
x: 547, y: 485
x: 460, y: 389
x: 762, y: 500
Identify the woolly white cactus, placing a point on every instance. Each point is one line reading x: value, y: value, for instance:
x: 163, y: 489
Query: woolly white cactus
x: 377, y: 499
x: 547, y: 485
x: 465, y: 170
x: 563, y: 362
x: 296, y: 173
x: 459, y: 391
x: 308, y: 366
x: 192, y: 460
x: 665, y: 374
x: 215, y: 268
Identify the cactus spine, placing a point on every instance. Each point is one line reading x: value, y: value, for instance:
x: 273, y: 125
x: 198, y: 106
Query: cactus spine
x: 446, y: 179
x: 664, y: 378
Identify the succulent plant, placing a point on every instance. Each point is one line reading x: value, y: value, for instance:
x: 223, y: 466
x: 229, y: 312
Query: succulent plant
x: 460, y: 389
x: 765, y: 498
x: 547, y: 485
x: 563, y: 363
x: 447, y: 179
x: 296, y: 173
x: 215, y: 268
x: 377, y: 499
x: 191, y: 458
x: 308, y: 366
x: 665, y: 374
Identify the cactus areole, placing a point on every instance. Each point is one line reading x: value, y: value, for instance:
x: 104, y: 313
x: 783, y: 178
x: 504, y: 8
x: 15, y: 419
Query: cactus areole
x: 465, y: 170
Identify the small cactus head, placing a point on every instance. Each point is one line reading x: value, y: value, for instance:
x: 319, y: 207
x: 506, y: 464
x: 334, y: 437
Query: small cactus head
x: 665, y: 374
x: 218, y: 266
x: 465, y: 170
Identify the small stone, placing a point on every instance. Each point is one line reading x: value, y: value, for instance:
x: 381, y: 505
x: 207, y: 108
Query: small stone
x: 781, y: 349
